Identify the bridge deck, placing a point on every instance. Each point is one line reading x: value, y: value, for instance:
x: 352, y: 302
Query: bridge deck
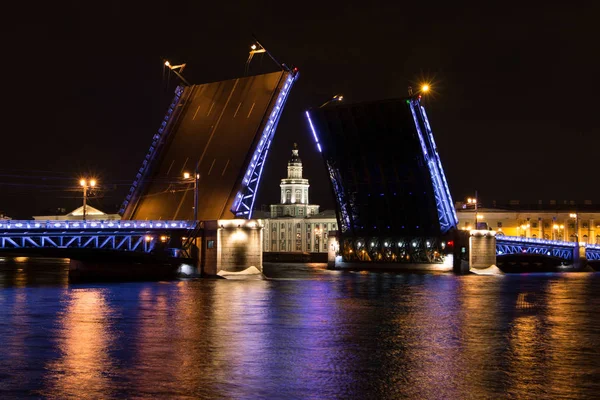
x: 217, y: 128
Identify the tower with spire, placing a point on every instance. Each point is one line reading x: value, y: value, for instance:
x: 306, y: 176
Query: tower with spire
x: 294, y: 192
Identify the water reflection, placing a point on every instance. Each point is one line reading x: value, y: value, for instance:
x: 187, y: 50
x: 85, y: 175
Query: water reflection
x: 342, y: 335
x: 84, y: 339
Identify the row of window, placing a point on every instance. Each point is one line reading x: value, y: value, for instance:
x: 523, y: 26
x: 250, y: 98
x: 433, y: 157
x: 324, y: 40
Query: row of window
x: 572, y: 238
x: 299, y: 226
x: 283, y: 245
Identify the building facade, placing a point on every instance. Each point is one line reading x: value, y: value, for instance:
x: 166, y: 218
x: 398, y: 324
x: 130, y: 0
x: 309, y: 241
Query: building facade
x: 294, y: 192
x: 567, y: 222
x: 295, y: 225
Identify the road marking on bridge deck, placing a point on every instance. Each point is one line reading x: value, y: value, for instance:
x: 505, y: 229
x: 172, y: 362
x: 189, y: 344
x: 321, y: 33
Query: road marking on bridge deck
x: 197, y: 109
x: 211, y: 107
x: 211, y: 166
x: 251, y: 108
x: 223, y: 173
x: 218, y: 121
x: 183, y: 167
x: 237, y: 109
x: 170, y: 166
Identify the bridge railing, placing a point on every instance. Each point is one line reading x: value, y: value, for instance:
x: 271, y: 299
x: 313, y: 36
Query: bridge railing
x: 519, y: 239
x: 95, y: 224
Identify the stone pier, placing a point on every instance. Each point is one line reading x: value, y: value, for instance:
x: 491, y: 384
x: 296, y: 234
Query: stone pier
x: 231, y: 246
x: 482, y: 249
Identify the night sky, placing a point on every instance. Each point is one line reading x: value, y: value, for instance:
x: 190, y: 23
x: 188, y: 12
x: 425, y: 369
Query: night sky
x: 514, y: 108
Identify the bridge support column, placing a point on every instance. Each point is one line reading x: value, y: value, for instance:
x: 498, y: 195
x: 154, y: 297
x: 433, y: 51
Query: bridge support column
x: 460, y: 261
x: 232, y: 246
x: 482, y: 249
x: 333, y: 247
x: 579, y: 258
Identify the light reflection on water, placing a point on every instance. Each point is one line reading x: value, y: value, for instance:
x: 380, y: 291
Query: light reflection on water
x: 308, y: 333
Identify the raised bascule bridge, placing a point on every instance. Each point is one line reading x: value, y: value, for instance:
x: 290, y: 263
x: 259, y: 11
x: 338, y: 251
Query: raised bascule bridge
x: 193, y: 196
x: 392, y: 198
x: 393, y: 203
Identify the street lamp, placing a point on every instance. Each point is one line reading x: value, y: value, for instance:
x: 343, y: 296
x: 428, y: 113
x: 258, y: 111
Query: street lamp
x: 187, y: 176
x: 85, y: 184
x: 318, y: 239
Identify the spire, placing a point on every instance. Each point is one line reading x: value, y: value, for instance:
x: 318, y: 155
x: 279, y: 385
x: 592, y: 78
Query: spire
x: 295, y: 158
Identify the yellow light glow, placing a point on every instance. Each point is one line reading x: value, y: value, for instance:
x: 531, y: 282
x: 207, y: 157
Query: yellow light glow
x: 425, y: 88
x: 168, y: 64
x: 479, y: 216
x: 163, y: 238
x: 253, y: 47
x: 562, y: 227
x: 82, y: 182
x: 573, y: 215
x: 93, y: 183
x: 186, y: 175
x: 148, y: 238
x: 555, y: 226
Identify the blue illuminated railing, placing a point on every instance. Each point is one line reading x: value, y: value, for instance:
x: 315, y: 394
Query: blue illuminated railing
x: 536, y: 241
x: 446, y: 212
x: 95, y: 224
x: 243, y: 203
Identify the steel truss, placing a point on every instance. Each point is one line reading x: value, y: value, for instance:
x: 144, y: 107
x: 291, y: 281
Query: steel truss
x: 518, y: 245
x: 144, y: 242
x: 443, y: 200
x: 244, y: 200
x: 393, y: 249
x: 345, y: 222
x: 128, y: 236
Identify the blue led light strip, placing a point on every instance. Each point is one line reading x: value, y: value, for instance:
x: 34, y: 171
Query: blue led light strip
x: 314, y: 132
x: 334, y: 176
x: 243, y: 203
x: 449, y: 202
x: 446, y: 213
x: 12, y: 225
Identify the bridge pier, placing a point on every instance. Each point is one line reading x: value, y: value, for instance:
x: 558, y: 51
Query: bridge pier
x: 482, y: 249
x: 579, y: 257
x: 231, y: 247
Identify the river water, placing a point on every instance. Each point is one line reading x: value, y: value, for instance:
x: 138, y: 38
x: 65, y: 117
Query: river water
x: 303, y: 333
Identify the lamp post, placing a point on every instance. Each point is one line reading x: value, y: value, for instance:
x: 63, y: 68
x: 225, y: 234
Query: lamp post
x: 186, y: 176
x: 86, y: 184
x: 318, y: 239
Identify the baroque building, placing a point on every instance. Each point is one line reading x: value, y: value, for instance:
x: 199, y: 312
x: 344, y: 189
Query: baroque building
x: 294, y: 192
x: 295, y: 225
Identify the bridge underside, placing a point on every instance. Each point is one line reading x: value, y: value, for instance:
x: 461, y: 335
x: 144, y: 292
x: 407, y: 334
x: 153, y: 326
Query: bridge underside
x: 393, y: 202
x: 223, y: 131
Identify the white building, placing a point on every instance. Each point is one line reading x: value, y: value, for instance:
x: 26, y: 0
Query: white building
x: 77, y: 214
x: 294, y: 192
x: 295, y: 225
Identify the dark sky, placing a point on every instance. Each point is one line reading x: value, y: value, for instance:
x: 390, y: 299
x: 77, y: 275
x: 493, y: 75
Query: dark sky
x: 514, y: 111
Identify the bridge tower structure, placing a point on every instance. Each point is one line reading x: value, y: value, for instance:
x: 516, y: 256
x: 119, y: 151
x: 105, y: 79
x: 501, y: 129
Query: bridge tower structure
x: 392, y: 198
